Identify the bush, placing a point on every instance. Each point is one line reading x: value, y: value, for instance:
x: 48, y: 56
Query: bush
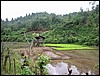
x: 41, y: 63
x: 26, y: 71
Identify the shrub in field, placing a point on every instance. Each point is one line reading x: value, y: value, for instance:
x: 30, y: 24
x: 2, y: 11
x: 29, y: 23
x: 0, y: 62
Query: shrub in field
x: 96, y: 66
x: 26, y: 71
x: 41, y: 63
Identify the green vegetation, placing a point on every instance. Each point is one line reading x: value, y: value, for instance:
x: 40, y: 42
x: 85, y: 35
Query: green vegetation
x: 41, y: 64
x: 64, y: 45
x: 78, y: 31
x: 26, y: 71
x: 80, y: 58
x: 77, y: 27
x: 70, y: 47
x: 10, y: 69
x: 84, y: 48
x: 96, y: 66
x: 35, y: 67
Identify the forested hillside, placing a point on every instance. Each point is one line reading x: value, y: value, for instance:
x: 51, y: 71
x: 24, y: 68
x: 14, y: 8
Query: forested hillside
x: 77, y: 27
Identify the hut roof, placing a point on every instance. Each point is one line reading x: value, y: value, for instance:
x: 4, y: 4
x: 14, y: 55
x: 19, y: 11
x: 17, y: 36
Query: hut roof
x: 40, y: 37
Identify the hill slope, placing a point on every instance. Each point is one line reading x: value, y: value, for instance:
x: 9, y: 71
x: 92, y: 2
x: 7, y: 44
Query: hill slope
x: 77, y: 27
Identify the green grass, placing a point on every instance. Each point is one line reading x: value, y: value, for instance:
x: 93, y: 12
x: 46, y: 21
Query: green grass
x: 69, y: 47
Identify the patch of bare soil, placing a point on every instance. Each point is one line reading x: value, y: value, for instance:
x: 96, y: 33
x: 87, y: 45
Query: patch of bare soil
x: 34, y: 53
x: 47, y: 51
x: 51, y: 55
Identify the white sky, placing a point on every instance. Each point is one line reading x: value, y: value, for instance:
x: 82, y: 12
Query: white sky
x: 14, y: 9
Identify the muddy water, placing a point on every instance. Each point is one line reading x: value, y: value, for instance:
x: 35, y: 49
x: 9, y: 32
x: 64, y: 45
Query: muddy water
x: 84, y: 60
x: 62, y: 68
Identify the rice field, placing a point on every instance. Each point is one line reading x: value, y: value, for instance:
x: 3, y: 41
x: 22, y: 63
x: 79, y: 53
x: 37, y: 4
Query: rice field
x: 84, y: 57
x: 70, y: 47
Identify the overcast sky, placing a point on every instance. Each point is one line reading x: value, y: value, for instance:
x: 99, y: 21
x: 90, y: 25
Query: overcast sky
x: 14, y: 9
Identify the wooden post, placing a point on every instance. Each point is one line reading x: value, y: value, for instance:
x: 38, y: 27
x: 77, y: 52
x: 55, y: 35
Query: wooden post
x: 2, y: 59
x: 9, y: 59
x: 14, y: 66
x: 8, y: 50
x: 2, y: 53
x: 9, y: 64
x: 6, y: 57
x: 42, y: 42
x: 1, y: 48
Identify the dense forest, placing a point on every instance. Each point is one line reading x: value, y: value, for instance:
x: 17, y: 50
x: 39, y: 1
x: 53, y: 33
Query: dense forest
x: 77, y: 27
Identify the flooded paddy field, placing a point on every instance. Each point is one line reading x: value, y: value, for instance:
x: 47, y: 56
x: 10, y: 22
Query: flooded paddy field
x: 84, y: 60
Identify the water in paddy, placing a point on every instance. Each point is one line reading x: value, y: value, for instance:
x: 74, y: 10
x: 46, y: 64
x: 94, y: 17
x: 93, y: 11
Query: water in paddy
x: 84, y: 60
x: 62, y: 68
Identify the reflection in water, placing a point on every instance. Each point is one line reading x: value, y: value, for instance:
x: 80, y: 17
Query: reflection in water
x: 62, y: 69
x: 74, y: 70
x: 51, y: 70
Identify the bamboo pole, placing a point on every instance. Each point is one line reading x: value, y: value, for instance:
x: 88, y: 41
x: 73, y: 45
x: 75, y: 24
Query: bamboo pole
x: 14, y: 66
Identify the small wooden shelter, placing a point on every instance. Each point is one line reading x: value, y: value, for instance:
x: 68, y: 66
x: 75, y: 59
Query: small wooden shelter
x: 39, y: 41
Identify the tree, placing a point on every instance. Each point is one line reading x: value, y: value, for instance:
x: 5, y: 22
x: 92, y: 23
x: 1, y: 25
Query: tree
x: 81, y: 9
x: 6, y: 19
x: 12, y: 19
